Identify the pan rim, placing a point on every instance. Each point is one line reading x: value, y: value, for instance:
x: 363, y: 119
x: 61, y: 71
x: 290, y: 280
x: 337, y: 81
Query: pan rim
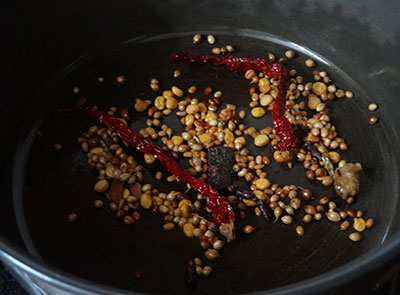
x: 343, y: 274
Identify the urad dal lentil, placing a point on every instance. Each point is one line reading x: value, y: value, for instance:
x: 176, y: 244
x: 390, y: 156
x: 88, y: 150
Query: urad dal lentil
x: 72, y: 217
x: 197, y: 38
x: 208, y: 124
x: 58, y: 147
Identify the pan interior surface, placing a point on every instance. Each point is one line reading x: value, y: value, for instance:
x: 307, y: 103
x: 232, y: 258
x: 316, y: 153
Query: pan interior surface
x: 48, y: 185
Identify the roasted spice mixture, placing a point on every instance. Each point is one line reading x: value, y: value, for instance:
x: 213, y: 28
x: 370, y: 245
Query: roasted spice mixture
x: 298, y: 135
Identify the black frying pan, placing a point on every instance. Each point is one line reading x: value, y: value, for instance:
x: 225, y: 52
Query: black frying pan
x: 47, y: 185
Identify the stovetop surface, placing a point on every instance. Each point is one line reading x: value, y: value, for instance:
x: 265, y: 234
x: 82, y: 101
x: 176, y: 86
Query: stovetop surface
x: 9, y: 286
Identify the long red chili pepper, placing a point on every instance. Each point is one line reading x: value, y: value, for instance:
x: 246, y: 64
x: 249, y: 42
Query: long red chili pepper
x: 282, y: 125
x: 221, y: 210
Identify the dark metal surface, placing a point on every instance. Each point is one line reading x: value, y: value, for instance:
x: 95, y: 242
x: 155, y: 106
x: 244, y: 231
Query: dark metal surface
x: 273, y: 256
x: 59, y: 183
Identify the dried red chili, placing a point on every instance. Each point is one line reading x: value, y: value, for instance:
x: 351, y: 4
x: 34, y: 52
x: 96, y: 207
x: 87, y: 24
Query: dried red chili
x: 282, y: 125
x: 221, y: 210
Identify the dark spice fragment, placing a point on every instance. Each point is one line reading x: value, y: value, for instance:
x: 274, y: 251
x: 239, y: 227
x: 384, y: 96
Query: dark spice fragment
x: 116, y: 190
x: 190, y: 272
x: 309, y: 146
x: 220, y: 163
x: 136, y: 189
x: 249, y: 195
x: 139, y: 272
x: 265, y: 210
